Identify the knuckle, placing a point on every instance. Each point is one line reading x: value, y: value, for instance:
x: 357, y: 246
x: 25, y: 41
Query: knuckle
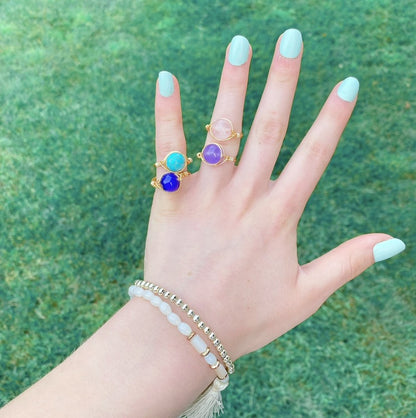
x: 318, y: 149
x: 271, y: 129
x: 166, y: 144
x: 169, y: 120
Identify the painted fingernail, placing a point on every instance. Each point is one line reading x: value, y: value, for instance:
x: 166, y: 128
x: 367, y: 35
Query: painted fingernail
x: 291, y: 43
x: 387, y: 249
x: 348, y: 89
x: 166, y: 86
x: 239, y: 50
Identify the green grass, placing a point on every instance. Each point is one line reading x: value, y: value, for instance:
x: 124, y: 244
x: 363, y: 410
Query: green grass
x: 76, y: 152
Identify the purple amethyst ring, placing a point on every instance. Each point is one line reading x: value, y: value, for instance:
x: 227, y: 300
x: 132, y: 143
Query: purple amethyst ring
x: 213, y: 154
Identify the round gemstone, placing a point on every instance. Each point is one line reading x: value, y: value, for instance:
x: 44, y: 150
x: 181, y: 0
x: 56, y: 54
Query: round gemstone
x: 170, y: 182
x: 222, y: 129
x: 212, y: 154
x: 175, y: 161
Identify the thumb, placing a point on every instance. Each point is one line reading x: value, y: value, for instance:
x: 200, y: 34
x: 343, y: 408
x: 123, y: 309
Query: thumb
x: 324, y: 275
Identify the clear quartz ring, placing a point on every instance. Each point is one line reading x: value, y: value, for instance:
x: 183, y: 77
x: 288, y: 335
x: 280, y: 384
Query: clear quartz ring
x: 222, y: 130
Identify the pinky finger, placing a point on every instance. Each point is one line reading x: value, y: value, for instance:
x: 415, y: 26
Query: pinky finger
x: 324, y: 275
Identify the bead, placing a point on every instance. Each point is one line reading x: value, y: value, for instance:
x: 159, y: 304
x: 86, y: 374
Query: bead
x: 221, y: 372
x: 184, y: 329
x: 179, y: 302
x: 174, y: 319
x: 221, y: 129
x: 150, y: 287
x: 190, y: 313
x: 196, y: 318
x: 214, y: 366
x: 198, y: 343
x: 155, y: 289
x: 212, y: 154
x: 175, y: 161
x: 165, y: 308
x: 131, y: 291
x: 220, y: 347
x: 147, y: 294
x: 201, y: 325
x: 216, y: 342
x: 166, y: 294
x: 184, y: 307
x: 212, y: 336
x: 210, y: 359
x: 170, y: 182
x: 173, y: 298
x: 223, y: 353
x: 138, y: 292
x: 156, y: 301
x: 161, y: 290
x: 207, y: 330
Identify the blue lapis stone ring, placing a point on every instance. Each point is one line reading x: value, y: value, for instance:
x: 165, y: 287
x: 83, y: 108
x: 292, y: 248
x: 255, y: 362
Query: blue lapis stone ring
x: 170, y: 181
x: 175, y: 161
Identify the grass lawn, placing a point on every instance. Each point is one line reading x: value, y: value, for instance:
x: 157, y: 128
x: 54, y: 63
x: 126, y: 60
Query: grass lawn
x: 76, y: 152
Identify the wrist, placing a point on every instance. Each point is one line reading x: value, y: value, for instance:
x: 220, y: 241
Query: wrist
x: 219, y: 359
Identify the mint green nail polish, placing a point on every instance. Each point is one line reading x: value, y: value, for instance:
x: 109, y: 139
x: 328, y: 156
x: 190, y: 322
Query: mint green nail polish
x: 348, y: 89
x: 387, y: 249
x: 166, y: 86
x: 239, y: 50
x: 291, y: 43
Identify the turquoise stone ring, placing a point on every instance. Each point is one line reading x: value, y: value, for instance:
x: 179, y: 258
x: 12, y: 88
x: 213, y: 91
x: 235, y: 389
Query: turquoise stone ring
x: 175, y: 161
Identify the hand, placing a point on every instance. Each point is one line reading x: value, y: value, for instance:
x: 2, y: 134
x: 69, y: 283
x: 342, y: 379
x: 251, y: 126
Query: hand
x: 226, y: 240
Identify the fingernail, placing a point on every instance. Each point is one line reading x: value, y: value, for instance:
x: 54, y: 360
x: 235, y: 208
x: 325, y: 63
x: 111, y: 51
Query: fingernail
x: 387, y: 249
x: 291, y: 43
x: 239, y: 50
x: 166, y: 84
x: 348, y: 89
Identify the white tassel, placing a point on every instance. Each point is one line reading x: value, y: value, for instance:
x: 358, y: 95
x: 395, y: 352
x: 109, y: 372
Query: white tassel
x: 209, y: 403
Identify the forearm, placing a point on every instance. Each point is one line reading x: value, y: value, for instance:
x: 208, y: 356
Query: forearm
x: 137, y: 364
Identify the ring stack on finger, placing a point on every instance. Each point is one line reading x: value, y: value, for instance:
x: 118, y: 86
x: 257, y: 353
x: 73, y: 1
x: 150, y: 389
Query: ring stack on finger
x: 176, y: 164
x: 221, y: 130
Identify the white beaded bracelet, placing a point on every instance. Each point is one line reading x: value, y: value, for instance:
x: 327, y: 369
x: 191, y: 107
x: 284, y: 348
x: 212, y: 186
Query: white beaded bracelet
x: 196, y: 341
x: 160, y: 291
x: 209, y: 403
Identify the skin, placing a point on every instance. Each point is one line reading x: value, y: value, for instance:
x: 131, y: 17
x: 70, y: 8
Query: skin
x: 226, y: 243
